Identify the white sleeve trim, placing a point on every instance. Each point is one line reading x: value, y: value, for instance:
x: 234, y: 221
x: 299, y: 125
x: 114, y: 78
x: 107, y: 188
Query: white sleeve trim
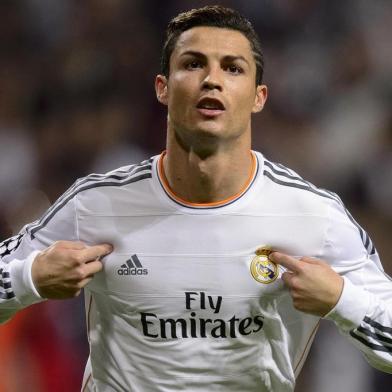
x: 22, y: 281
x: 351, y: 308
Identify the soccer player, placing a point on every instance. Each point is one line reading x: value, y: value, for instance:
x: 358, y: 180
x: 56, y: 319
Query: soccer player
x: 183, y: 257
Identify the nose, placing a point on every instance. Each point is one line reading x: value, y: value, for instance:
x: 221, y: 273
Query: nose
x: 212, y: 80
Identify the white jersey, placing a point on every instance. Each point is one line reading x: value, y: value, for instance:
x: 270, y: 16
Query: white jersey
x: 188, y: 300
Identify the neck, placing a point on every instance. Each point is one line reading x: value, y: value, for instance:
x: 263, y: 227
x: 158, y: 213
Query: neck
x: 198, y: 178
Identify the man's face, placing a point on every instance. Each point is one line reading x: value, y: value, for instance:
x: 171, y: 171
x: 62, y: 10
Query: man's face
x: 211, y: 87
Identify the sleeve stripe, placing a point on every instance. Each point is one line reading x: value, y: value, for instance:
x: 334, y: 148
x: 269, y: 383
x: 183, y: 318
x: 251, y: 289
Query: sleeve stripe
x: 375, y: 324
x: 6, y: 295
x: 294, y: 185
x: 368, y: 243
x: 6, y: 291
x: 374, y: 339
x: 375, y: 336
x: 5, y: 285
x: 373, y: 346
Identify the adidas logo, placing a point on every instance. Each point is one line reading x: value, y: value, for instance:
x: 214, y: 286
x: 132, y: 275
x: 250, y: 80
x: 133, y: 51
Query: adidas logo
x: 132, y: 266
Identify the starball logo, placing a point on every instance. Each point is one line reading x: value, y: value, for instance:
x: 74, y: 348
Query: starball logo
x: 132, y: 267
x: 194, y: 326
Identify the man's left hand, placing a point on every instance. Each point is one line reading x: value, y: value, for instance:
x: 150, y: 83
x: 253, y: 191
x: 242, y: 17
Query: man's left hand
x: 314, y: 286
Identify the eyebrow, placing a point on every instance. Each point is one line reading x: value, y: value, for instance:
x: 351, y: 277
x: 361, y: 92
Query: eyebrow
x: 225, y: 58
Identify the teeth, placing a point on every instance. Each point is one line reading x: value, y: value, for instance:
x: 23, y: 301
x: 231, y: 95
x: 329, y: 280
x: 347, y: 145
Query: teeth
x: 211, y: 105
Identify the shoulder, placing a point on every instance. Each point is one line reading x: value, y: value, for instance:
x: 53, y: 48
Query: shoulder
x: 115, y: 178
x: 119, y: 178
x: 92, y: 191
x: 288, y: 186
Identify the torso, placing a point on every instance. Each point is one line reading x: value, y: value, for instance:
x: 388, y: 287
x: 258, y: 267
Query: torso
x: 177, y: 306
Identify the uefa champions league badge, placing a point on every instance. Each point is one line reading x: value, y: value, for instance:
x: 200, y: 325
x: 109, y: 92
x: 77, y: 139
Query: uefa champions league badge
x: 262, y: 268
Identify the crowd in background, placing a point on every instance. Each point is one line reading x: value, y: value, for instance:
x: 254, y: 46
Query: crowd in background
x: 77, y: 96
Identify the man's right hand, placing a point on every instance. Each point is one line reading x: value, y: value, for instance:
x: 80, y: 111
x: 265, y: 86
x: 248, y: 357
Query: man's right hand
x: 62, y: 270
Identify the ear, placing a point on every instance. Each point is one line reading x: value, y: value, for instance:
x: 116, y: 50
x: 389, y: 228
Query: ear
x: 260, y: 98
x: 161, y: 89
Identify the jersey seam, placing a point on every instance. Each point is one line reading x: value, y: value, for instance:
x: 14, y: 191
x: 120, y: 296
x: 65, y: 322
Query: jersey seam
x: 159, y: 294
x: 76, y: 218
x: 325, y: 234
x: 224, y: 375
x: 202, y: 255
x: 306, y: 349
x: 224, y: 214
x: 87, y: 382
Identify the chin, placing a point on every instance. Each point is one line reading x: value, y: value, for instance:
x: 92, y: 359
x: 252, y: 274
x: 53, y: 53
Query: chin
x: 213, y: 128
x: 209, y: 135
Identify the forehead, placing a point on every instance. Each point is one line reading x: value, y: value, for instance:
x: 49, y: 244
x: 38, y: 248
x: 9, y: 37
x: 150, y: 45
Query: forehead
x: 213, y: 40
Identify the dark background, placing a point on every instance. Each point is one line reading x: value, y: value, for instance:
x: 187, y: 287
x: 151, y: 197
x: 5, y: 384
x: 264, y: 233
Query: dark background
x: 76, y: 96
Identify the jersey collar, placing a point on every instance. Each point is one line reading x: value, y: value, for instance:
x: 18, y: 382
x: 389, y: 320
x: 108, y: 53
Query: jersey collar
x: 218, y: 204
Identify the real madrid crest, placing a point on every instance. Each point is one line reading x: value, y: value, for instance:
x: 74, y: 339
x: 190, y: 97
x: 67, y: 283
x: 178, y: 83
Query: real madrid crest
x: 262, y: 268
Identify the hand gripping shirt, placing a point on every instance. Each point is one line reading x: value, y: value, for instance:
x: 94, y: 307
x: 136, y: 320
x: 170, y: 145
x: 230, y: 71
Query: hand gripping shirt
x: 188, y: 299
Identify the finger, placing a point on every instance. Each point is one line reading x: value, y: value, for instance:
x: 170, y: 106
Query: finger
x: 92, y: 268
x: 286, y: 261
x: 312, y: 260
x: 96, y: 252
x: 287, y: 277
x: 76, y: 245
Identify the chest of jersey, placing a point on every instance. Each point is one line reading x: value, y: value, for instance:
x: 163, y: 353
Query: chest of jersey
x: 196, y: 266
x: 187, y: 291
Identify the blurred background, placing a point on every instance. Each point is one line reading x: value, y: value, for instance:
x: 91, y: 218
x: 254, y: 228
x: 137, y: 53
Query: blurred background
x: 77, y: 96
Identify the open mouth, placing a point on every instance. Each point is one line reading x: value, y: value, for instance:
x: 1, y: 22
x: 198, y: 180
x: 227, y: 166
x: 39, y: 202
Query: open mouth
x: 210, y: 107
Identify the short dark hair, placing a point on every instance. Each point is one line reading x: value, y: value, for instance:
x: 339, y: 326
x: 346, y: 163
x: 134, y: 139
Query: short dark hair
x: 211, y: 16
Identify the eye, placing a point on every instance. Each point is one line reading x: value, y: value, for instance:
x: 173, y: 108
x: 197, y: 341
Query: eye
x: 194, y: 64
x: 234, y: 69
